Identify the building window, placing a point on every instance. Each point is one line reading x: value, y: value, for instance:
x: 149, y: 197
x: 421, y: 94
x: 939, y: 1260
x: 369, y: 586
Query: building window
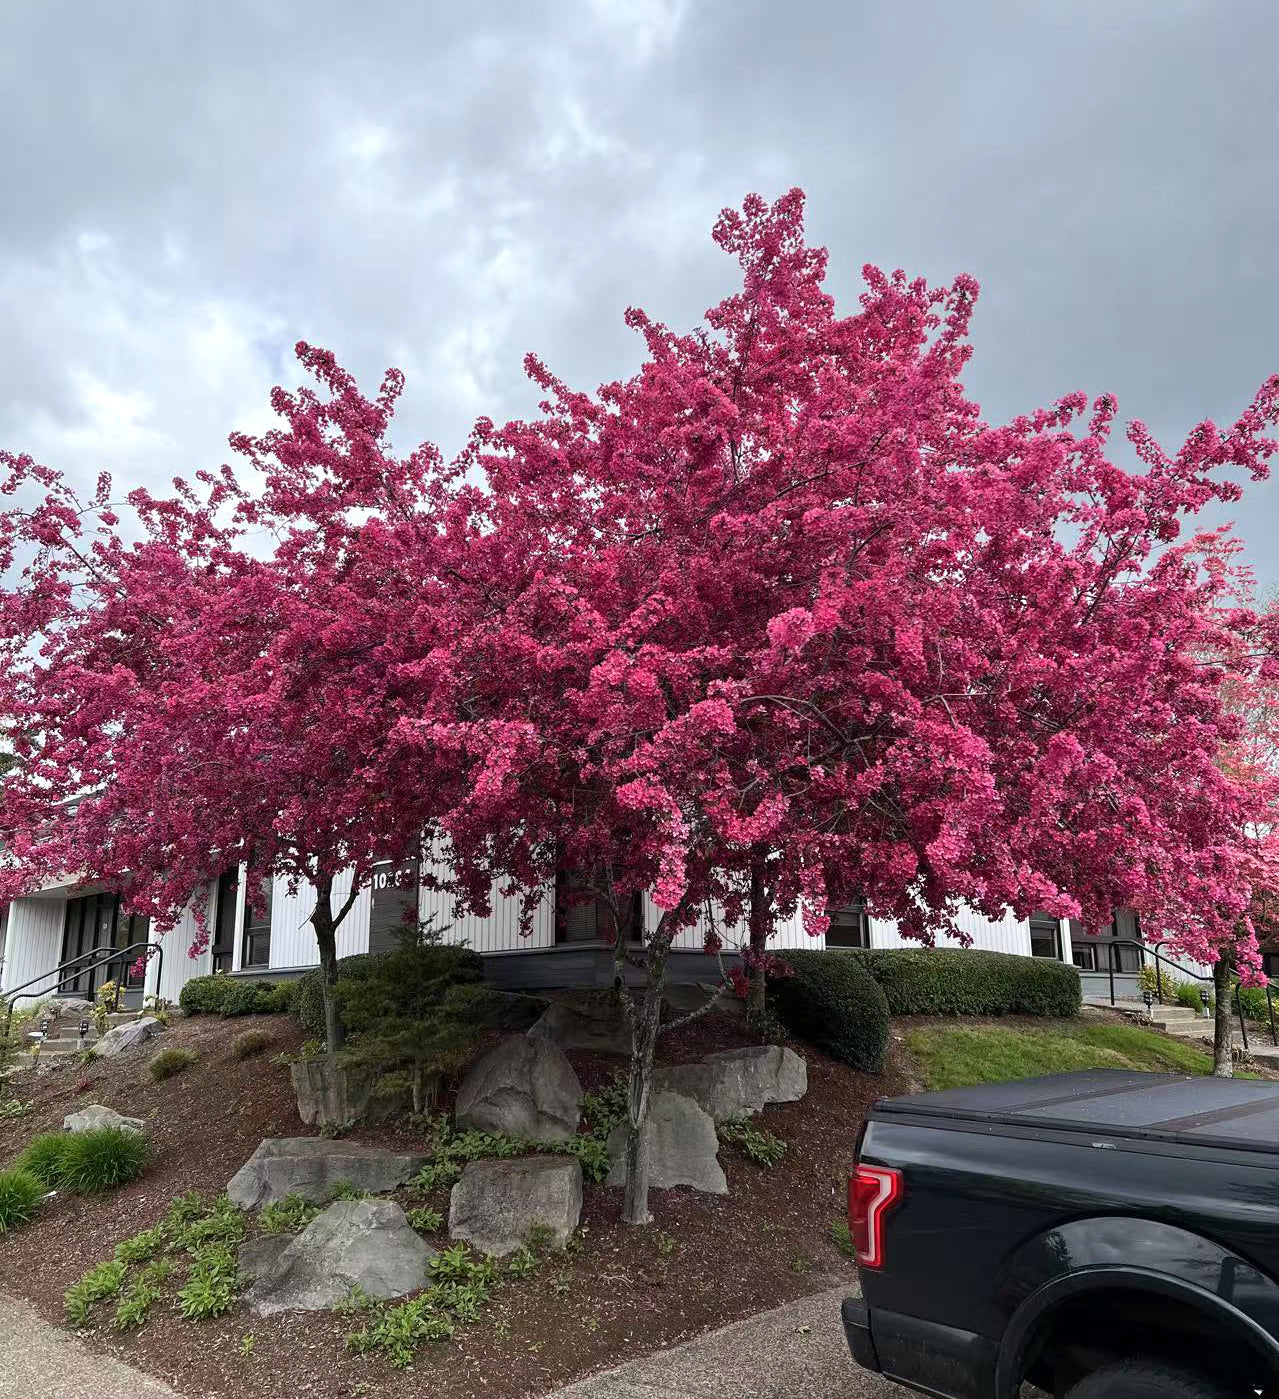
x: 582, y: 916
x: 256, y: 951
x: 393, y: 904
x: 1107, y: 950
x: 222, y: 948
x: 1045, y: 936
x: 849, y: 926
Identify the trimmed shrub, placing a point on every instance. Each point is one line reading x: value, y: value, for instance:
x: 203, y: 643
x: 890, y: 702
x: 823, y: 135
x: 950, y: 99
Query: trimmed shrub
x: 251, y: 1042
x: 964, y: 981
x: 220, y: 994
x: 45, y: 1156
x: 102, y: 1159
x: 20, y: 1195
x: 831, y: 1001
x: 169, y: 1062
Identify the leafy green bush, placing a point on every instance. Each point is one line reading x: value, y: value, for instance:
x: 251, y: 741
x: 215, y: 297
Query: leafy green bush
x: 211, y: 1286
x: 764, y: 1148
x: 965, y: 981
x: 831, y: 1001
x: 44, y: 1157
x: 289, y: 1215
x: 20, y: 1194
x: 221, y: 994
x: 251, y: 1042
x: 102, y: 1159
x: 169, y: 1062
x: 95, y: 1286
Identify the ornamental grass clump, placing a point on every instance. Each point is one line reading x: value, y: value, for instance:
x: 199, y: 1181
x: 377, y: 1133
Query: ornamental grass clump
x: 44, y: 1157
x: 102, y: 1159
x: 20, y: 1194
x: 169, y: 1062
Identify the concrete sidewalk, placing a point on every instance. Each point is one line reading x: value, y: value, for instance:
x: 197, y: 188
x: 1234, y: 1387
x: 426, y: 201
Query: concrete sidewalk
x: 795, y: 1352
x: 42, y: 1362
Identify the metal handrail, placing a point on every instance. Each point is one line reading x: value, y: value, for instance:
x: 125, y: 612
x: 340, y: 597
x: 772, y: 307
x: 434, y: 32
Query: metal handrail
x: 98, y: 957
x: 1161, y: 961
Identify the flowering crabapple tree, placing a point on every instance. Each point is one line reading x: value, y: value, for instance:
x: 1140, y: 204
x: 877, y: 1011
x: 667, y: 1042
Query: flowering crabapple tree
x: 781, y: 621
x: 211, y: 702
x: 1248, y: 654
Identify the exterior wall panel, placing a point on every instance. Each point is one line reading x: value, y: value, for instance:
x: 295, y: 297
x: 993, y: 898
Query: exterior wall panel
x: 500, y: 931
x: 178, y: 966
x: 1009, y: 934
x: 33, y: 945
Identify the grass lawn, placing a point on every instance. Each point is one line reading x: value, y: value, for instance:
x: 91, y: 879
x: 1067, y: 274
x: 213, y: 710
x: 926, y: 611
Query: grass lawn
x: 951, y: 1056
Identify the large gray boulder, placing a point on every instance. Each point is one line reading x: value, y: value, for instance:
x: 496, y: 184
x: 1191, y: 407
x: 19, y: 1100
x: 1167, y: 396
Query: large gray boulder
x: 313, y: 1166
x: 738, y: 1082
x: 586, y: 1019
x: 334, y: 1093
x: 524, y: 1088
x: 681, y: 1144
x: 355, y: 1243
x: 496, y: 1203
x: 89, y: 1119
x: 127, y: 1036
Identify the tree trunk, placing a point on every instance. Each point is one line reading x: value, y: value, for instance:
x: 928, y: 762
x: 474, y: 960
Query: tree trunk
x: 644, y: 1031
x: 760, y: 926
x: 326, y: 938
x: 1223, y: 1063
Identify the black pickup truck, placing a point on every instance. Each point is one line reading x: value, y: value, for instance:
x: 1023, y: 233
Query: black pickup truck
x: 1099, y: 1235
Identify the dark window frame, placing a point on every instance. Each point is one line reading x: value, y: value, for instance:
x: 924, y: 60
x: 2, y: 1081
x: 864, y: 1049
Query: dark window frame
x: 223, y: 937
x: 1050, y: 930
x: 849, y: 925
x: 255, y: 934
x: 633, y: 927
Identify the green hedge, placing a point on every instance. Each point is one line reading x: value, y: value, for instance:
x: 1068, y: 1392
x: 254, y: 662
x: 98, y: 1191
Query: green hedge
x: 454, y: 964
x: 964, y: 981
x: 832, y: 1002
x: 232, y: 995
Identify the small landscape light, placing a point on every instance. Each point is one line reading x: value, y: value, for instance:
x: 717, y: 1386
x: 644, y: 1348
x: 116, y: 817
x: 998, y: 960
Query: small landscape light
x: 1149, y: 998
x: 1204, y: 999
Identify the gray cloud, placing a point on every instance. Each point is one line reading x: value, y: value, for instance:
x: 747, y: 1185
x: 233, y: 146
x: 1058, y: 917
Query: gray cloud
x: 189, y: 189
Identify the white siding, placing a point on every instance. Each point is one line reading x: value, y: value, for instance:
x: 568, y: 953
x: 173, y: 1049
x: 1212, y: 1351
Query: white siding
x: 500, y: 931
x: 1009, y: 934
x: 33, y: 946
x: 292, y: 936
x: 178, y: 966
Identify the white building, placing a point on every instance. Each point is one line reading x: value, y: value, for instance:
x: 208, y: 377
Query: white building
x: 71, y: 927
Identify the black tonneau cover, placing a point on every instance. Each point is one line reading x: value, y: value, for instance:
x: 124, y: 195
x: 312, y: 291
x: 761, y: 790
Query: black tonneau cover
x: 1240, y: 1113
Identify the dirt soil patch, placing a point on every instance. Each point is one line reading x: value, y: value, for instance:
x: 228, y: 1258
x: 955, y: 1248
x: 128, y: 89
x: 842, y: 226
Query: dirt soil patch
x: 704, y: 1261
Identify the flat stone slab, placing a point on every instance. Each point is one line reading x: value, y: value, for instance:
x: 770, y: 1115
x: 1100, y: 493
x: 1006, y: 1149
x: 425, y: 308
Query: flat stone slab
x: 739, y: 1082
x: 681, y: 1143
x: 313, y: 1166
x: 526, y: 1087
x: 89, y: 1119
x: 367, y: 1244
x: 496, y: 1203
x: 127, y: 1036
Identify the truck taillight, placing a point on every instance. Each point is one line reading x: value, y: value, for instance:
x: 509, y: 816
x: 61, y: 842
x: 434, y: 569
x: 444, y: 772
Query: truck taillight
x: 872, y: 1192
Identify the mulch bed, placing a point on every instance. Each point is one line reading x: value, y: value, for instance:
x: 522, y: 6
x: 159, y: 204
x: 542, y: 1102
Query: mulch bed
x: 705, y: 1261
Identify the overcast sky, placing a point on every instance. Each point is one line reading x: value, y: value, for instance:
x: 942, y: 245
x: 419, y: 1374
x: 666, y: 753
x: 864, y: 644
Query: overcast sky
x: 188, y: 189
